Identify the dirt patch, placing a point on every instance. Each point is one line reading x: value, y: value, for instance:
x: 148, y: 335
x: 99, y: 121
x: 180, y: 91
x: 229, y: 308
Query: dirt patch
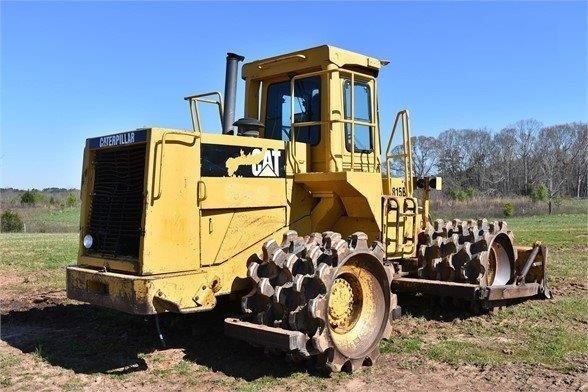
x: 51, y: 343
x: 569, y: 289
x: 7, y: 280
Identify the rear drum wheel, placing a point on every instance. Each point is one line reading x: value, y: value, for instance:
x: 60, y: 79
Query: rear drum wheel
x: 478, y: 252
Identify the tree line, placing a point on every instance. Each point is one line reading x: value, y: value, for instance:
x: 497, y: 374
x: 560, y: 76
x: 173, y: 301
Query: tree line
x: 525, y: 158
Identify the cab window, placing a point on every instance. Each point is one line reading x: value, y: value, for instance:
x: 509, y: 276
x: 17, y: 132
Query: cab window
x: 307, y: 108
x: 362, y: 114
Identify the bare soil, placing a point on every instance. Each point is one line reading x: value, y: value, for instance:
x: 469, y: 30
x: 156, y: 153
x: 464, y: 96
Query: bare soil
x: 52, y: 343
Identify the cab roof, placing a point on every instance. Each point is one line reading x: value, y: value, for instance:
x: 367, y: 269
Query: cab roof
x: 316, y: 58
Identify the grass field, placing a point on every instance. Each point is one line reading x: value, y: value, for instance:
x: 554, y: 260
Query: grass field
x: 536, y: 336
x: 49, y: 219
x: 493, y: 207
x: 37, y: 259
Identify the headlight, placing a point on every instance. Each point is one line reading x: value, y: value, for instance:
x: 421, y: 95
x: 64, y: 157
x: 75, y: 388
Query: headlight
x: 88, y: 241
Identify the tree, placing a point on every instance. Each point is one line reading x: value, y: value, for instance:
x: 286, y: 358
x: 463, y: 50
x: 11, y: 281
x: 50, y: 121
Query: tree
x: 502, y: 162
x: 558, y: 153
x: 525, y: 132
x: 580, y: 168
x: 425, y: 155
x: 71, y: 200
x: 11, y: 222
x: 539, y: 193
x: 27, y: 198
x: 514, y: 161
x: 476, y: 149
x: 450, y: 161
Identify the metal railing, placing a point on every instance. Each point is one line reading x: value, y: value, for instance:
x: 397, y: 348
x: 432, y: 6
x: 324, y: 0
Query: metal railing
x: 402, y: 117
x: 157, y: 194
x: 193, y: 101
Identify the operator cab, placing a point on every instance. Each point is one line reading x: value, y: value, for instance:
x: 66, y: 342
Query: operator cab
x: 323, y: 97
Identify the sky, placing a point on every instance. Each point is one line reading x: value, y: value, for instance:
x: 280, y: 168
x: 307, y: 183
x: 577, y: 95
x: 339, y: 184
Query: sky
x: 74, y: 70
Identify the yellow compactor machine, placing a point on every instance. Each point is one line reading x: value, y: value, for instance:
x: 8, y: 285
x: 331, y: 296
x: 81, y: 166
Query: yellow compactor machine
x: 295, y: 208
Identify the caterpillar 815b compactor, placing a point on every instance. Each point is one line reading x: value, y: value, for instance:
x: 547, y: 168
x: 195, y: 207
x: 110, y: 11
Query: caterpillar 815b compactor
x: 295, y: 208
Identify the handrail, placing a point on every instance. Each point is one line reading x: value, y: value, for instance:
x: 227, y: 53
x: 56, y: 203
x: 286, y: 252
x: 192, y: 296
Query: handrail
x: 163, y: 137
x: 408, y: 152
x: 193, y: 104
x: 413, y: 215
x: 402, y: 117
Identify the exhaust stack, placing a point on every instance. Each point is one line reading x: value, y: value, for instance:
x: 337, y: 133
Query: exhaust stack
x: 230, y: 91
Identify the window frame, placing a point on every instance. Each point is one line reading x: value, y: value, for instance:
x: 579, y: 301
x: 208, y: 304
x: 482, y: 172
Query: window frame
x: 291, y: 104
x: 351, y: 119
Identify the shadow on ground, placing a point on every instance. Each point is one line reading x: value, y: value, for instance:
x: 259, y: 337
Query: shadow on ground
x: 86, y: 339
x: 446, y: 309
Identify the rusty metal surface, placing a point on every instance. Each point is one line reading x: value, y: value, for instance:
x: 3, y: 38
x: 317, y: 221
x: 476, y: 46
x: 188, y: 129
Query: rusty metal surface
x: 436, y: 287
x: 496, y: 293
x: 466, y: 291
x: 537, y: 269
x: 526, y: 268
x: 113, y: 291
x: 263, y: 335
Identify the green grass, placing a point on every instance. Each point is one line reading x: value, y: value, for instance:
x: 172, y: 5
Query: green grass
x: 534, y: 332
x: 68, y: 216
x: 455, y: 352
x: 183, y: 368
x: 37, y: 259
x: 297, y: 381
x: 404, y: 344
x: 49, y: 219
x: 39, y: 354
x: 7, y: 361
x: 557, y: 231
x: 260, y: 384
x: 37, y: 251
x: 73, y: 384
x: 566, y: 236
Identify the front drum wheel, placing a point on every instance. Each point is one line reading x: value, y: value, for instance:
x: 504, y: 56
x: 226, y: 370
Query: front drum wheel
x: 355, y: 312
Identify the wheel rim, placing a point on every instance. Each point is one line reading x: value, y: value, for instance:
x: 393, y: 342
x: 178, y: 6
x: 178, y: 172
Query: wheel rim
x: 345, y: 303
x: 499, y: 262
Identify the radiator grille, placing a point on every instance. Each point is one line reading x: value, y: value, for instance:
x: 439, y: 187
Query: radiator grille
x: 117, y: 202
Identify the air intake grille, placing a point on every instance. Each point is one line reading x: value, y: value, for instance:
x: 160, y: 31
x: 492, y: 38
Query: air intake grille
x: 117, y: 202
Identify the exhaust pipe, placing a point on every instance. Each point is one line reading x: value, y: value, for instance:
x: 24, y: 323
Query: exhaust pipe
x: 230, y: 91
